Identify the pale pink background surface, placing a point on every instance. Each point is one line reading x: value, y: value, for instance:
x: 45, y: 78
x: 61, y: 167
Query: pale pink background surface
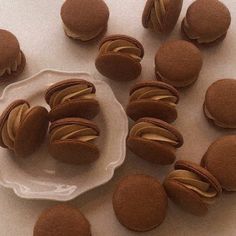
x: 37, y: 25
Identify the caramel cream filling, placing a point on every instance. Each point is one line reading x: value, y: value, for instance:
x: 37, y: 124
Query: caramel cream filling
x: 193, y: 182
x: 75, y: 132
x: 200, y: 39
x: 218, y: 123
x: 79, y: 91
x: 153, y: 132
x: 13, y: 123
x: 82, y: 37
x: 122, y: 46
x: 156, y: 94
x: 157, y: 14
x: 9, y: 70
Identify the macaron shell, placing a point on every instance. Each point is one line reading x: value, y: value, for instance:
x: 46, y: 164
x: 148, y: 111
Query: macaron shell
x: 220, y: 101
x: 16, y: 73
x: 85, y: 108
x: 220, y: 160
x: 62, y: 220
x: 74, y: 152
x: 117, y: 66
x: 179, y: 62
x: 147, y: 12
x: 5, y: 114
x: 31, y: 132
x: 64, y: 84
x: 150, y: 108
x: 140, y: 202
x: 82, y: 16
x: 9, y: 48
x: 185, y: 198
x: 151, y: 151
x: 203, y: 14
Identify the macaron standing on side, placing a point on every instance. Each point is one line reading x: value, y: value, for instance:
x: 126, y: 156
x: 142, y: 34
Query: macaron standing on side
x: 219, y: 106
x: 23, y: 128
x: 161, y: 15
x: 153, y: 99
x: 72, y: 98
x: 192, y: 187
x: 178, y: 62
x: 72, y: 141
x: 63, y: 220
x: 119, y: 57
x: 84, y: 20
x: 140, y: 202
x: 206, y: 22
x: 154, y: 140
x: 12, y: 60
x: 220, y: 160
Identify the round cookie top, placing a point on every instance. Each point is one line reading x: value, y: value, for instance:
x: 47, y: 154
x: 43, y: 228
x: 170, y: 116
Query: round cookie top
x: 178, y: 61
x: 63, y: 220
x: 140, y: 202
x: 9, y: 49
x: 208, y: 19
x: 83, y: 16
x: 220, y: 160
x: 166, y: 15
x: 220, y: 102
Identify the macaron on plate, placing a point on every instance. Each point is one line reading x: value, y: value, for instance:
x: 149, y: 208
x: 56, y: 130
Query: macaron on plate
x: 45, y: 174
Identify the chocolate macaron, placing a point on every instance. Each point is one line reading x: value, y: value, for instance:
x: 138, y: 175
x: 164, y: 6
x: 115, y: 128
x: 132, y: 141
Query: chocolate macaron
x: 192, y: 187
x: 220, y: 160
x: 72, y: 98
x: 178, y: 63
x: 154, y: 140
x: 71, y: 140
x: 23, y: 128
x: 161, y: 15
x: 12, y: 59
x: 206, y: 21
x: 119, y: 57
x: 83, y: 19
x: 220, y: 106
x: 63, y: 220
x: 140, y: 202
x: 153, y: 99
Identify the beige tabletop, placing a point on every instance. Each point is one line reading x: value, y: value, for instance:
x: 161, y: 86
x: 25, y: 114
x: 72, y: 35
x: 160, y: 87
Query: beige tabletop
x: 38, y: 27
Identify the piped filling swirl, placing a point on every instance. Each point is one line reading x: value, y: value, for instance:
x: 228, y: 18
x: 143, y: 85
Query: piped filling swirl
x: 157, y: 14
x: 154, y: 93
x: 12, y: 124
x: 13, y: 67
x: 78, y: 91
x: 81, y: 133
x: 153, y: 132
x: 122, y: 46
x: 195, y: 183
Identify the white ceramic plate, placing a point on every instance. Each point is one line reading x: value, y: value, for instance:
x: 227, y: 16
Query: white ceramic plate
x: 42, y: 177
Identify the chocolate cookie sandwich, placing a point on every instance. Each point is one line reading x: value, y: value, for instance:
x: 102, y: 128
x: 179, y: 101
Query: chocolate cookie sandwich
x: 192, y: 187
x: 119, y: 57
x: 12, y: 60
x: 161, y: 15
x: 23, y: 128
x: 140, y: 202
x: 178, y: 63
x: 63, y: 220
x: 206, y: 21
x: 153, y: 99
x: 72, y: 98
x: 220, y: 160
x: 154, y: 140
x: 219, y: 106
x: 84, y: 20
x: 72, y: 141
